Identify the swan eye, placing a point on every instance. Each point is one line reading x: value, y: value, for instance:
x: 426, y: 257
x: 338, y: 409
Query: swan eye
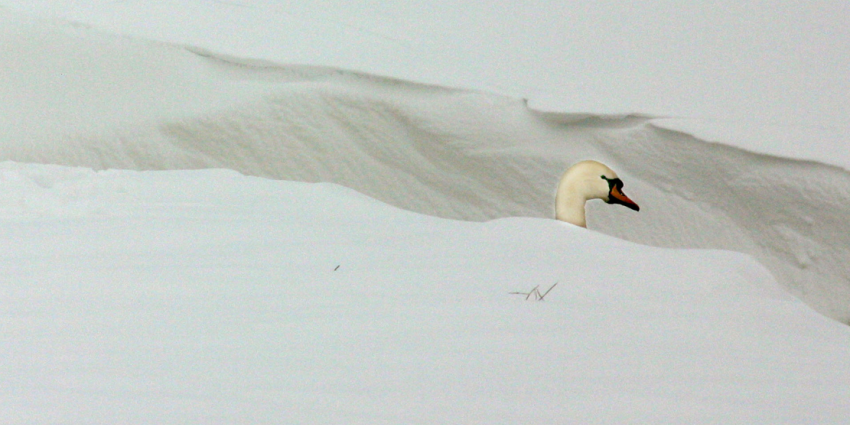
x: 612, y: 183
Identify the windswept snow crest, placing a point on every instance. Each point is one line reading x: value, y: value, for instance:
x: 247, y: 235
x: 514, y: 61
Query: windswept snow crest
x: 207, y: 297
x: 760, y: 66
x: 439, y: 151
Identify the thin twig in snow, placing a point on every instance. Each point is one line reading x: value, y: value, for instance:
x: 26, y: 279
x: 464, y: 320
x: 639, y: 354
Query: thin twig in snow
x: 547, y: 291
x: 536, y: 292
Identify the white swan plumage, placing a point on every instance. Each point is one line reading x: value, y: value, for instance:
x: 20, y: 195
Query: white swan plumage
x: 584, y: 181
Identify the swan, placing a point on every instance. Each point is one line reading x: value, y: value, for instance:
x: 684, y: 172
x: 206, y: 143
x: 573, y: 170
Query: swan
x: 584, y: 181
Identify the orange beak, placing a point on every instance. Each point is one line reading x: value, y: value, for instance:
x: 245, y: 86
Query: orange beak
x: 617, y: 196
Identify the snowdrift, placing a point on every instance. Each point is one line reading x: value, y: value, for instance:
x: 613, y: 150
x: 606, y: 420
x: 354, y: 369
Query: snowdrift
x: 207, y: 297
x: 440, y: 151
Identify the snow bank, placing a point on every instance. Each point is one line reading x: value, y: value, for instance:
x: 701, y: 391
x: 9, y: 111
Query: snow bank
x: 758, y: 65
x: 207, y: 297
x: 451, y: 153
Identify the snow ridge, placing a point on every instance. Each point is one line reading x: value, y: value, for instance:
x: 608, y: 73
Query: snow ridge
x: 439, y: 151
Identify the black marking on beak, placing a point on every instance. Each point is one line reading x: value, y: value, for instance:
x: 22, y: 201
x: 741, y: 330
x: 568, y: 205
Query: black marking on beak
x: 616, y: 195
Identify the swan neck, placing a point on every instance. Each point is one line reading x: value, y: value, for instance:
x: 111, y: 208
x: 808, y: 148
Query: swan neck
x: 570, y: 208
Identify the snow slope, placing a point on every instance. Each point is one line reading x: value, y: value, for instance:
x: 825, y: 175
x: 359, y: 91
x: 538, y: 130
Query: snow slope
x: 83, y: 98
x: 212, y: 297
x: 208, y: 297
x: 768, y: 76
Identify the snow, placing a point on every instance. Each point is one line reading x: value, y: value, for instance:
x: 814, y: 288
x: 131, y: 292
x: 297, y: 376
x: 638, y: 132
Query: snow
x: 445, y: 152
x: 761, y: 64
x: 179, y: 246
x: 211, y: 297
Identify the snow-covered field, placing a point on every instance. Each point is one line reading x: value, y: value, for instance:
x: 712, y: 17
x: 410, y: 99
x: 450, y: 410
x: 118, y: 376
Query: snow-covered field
x: 210, y: 296
x: 207, y: 297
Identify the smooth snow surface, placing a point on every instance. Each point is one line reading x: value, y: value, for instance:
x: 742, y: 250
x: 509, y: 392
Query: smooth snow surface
x: 224, y: 295
x: 772, y: 68
x: 82, y: 98
x: 207, y: 297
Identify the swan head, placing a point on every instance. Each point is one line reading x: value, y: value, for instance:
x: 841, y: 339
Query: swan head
x: 584, y: 181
